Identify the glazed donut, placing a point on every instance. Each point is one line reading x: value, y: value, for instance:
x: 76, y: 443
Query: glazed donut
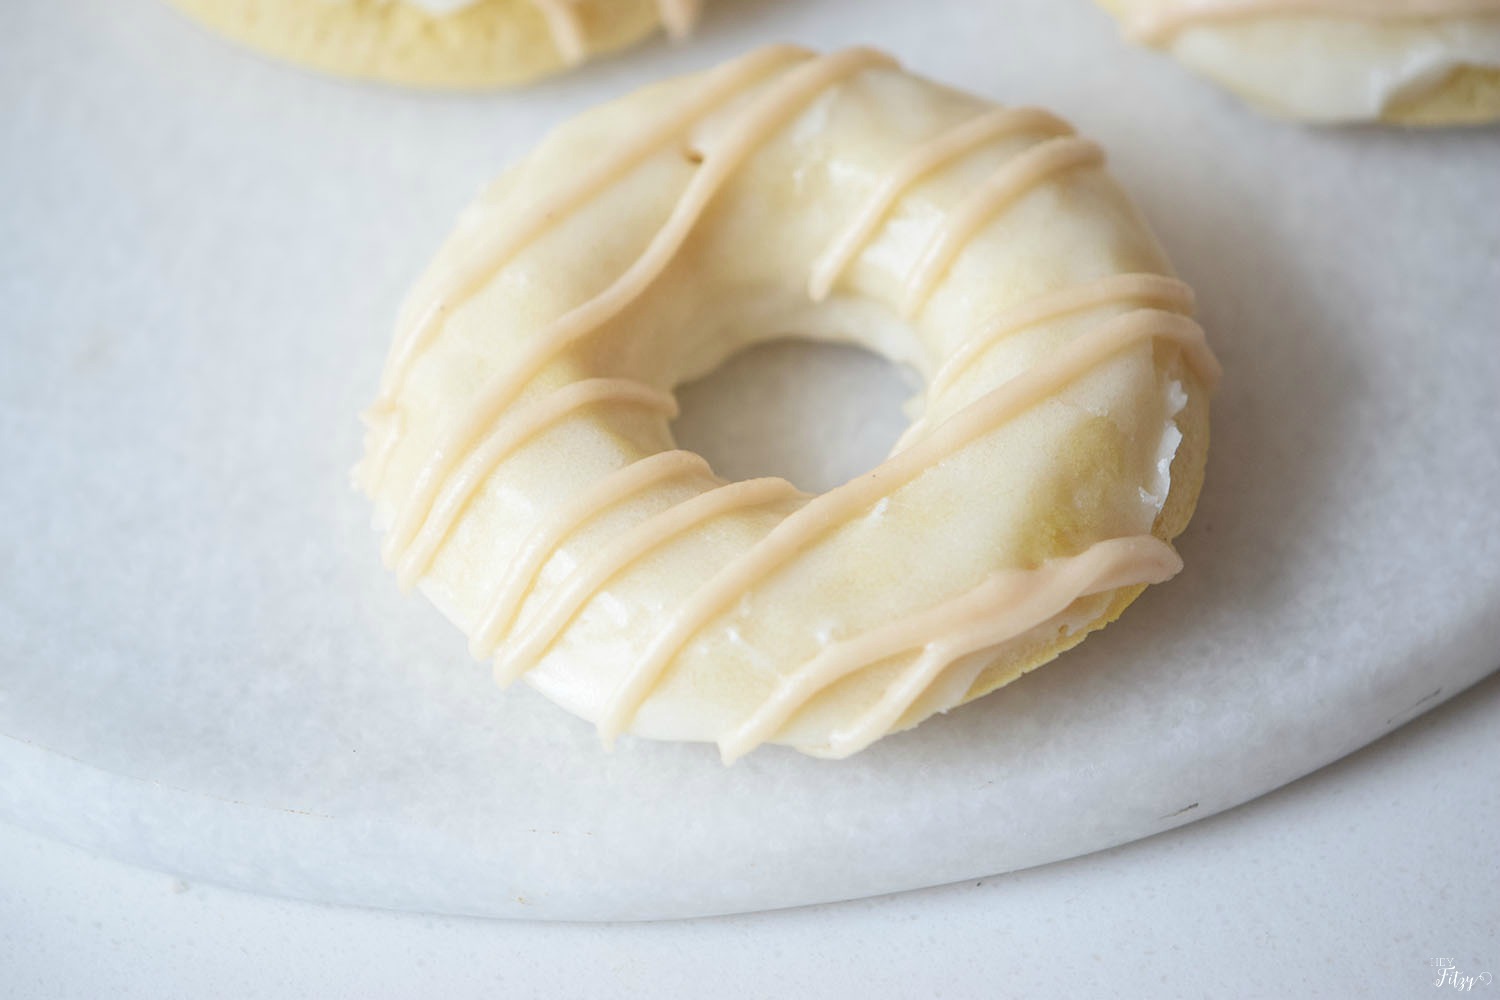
x: 520, y: 460
x: 1421, y: 62
x: 442, y: 43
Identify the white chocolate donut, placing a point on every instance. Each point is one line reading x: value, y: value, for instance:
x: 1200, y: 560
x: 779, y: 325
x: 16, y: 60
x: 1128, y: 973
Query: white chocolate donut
x: 520, y: 460
x: 1415, y: 61
x: 442, y: 43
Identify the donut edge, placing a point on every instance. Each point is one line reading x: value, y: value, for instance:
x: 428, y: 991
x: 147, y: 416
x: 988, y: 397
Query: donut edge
x: 1187, y: 473
x: 494, y: 43
x: 1468, y: 95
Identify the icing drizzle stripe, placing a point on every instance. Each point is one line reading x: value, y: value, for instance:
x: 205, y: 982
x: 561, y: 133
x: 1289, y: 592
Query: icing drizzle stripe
x: 719, y: 86
x: 565, y: 22
x: 781, y: 99
x: 650, y: 534
x: 1150, y: 290
x: 1004, y: 187
x: 804, y: 526
x: 1005, y: 605
x: 508, y: 438
x: 548, y: 537
x: 566, y: 25
x: 1155, y: 290
x: 926, y: 158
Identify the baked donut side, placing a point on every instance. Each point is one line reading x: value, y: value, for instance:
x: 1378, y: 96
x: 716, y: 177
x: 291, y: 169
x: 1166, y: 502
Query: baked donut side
x: 1466, y: 95
x: 521, y: 463
x: 1420, y: 62
x: 441, y: 43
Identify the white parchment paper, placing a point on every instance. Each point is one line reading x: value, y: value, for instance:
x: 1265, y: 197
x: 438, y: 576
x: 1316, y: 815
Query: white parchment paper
x: 204, y: 668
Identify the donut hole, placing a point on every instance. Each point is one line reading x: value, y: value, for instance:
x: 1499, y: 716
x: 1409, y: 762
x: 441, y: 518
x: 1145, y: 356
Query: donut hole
x: 815, y: 413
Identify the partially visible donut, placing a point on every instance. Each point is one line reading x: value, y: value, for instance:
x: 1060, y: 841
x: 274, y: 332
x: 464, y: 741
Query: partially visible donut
x: 520, y: 459
x: 1421, y: 62
x: 442, y: 43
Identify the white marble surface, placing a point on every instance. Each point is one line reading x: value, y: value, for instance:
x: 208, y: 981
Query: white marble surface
x: 1346, y: 884
x: 204, y: 670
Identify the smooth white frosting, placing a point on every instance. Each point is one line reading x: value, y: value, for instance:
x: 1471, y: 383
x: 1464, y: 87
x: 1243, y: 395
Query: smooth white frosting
x: 1327, y: 68
x: 1024, y: 500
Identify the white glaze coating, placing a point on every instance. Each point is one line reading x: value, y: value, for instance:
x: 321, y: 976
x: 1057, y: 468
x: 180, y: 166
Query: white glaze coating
x: 646, y: 595
x: 1327, y: 60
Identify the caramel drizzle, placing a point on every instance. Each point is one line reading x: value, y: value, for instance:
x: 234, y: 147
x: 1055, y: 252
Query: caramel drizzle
x: 1003, y: 188
x: 1009, y: 603
x: 719, y: 86
x: 652, y: 533
x: 1155, y: 290
x: 804, y: 526
x: 565, y: 22
x: 1162, y: 25
x: 504, y: 441
x: 914, y: 167
x: 549, y: 536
